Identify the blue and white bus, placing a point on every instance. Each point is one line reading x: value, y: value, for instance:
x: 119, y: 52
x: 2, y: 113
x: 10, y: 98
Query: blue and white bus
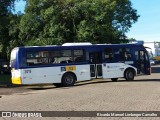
x: 64, y: 65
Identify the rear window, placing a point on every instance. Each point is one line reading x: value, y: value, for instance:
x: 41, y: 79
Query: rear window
x: 13, y: 54
x: 13, y: 58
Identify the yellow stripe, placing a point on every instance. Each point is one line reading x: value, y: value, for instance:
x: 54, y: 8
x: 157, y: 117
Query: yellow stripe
x: 17, y: 80
x: 70, y: 68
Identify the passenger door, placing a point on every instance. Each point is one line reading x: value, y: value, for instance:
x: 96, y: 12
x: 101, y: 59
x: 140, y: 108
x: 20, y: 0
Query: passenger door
x: 142, y: 62
x: 95, y: 59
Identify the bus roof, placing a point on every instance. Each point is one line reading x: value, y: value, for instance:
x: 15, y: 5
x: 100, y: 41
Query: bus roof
x: 79, y: 46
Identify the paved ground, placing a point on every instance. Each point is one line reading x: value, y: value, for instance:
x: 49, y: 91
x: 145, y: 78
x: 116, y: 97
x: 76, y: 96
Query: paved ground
x: 142, y: 94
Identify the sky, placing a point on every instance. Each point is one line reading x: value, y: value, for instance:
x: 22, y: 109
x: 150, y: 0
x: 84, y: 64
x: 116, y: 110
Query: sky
x: 147, y: 28
x: 19, y: 6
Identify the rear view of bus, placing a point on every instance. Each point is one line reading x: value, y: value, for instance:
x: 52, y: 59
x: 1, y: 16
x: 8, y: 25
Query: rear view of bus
x: 15, y: 71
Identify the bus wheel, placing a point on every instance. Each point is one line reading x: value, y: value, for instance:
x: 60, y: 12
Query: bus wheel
x: 129, y: 75
x: 57, y: 84
x: 68, y: 79
x: 114, y: 79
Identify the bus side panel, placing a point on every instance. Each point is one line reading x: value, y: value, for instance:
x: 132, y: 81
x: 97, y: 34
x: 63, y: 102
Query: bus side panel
x: 82, y: 72
x: 54, y: 74
x: 41, y: 75
x: 113, y: 70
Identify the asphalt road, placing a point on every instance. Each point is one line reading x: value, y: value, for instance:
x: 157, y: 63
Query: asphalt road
x: 142, y: 94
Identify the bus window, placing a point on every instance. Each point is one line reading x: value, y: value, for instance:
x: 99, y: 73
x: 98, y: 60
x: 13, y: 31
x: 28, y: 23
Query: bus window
x: 62, y: 56
x: 37, y: 58
x: 79, y: 56
x: 128, y: 55
x: 66, y: 55
x: 125, y: 54
x: 109, y: 54
x: 95, y: 57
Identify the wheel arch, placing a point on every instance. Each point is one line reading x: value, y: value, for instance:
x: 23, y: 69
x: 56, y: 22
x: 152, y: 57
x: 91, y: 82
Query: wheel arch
x: 70, y: 72
x: 130, y: 68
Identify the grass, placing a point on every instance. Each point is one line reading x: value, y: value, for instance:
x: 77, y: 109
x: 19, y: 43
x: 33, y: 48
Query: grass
x: 5, y: 79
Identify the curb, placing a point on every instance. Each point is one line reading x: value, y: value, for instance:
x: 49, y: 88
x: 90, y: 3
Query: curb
x: 6, y: 85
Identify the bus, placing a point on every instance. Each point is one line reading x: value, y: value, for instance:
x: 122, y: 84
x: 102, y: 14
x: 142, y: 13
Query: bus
x: 64, y: 65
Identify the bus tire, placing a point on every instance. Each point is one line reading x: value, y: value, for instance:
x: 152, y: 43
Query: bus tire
x: 114, y: 79
x: 68, y: 79
x: 57, y: 84
x: 129, y: 74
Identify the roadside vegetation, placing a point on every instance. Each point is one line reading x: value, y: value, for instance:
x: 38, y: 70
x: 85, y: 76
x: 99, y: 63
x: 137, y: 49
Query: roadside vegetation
x: 5, y: 79
x: 54, y: 22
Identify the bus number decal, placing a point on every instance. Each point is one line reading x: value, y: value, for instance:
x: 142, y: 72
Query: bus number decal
x: 27, y: 71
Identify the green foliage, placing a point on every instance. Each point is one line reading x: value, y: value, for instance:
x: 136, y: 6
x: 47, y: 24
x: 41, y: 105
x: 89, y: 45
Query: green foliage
x: 5, y: 7
x: 5, y: 79
x: 131, y: 39
x: 50, y: 22
x: 59, y: 21
x: 5, y: 10
x: 13, y: 32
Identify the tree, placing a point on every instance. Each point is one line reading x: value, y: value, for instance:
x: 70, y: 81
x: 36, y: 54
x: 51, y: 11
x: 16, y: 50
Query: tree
x: 13, y: 32
x: 59, y: 21
x: 131, y: 40
x: 5, y: 10
x: 9, y: 28
x: 5, y: 7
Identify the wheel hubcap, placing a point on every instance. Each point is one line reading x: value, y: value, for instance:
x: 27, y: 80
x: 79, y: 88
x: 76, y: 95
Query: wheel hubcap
x: 130, y: 75
x: 69, y: 80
